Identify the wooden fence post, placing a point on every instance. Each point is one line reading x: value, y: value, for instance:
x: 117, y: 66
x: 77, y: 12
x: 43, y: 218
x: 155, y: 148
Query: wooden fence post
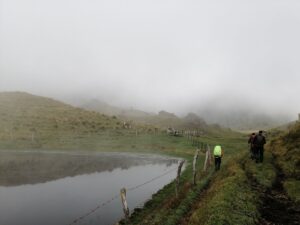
x: 194, y: 166
x: 209, y: 155
x: 124, y: 202
x: 178, y: 177
x: 206, y: 160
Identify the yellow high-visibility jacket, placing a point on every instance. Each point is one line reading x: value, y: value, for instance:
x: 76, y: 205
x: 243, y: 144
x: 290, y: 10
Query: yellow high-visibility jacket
x: 218, y: 151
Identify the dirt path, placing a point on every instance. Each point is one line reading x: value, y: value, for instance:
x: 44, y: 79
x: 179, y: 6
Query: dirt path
x: 277, y: 208
x: 195, y: 205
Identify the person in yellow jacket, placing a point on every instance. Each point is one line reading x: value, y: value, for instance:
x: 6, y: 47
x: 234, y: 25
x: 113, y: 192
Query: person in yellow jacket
x: 218, y: 154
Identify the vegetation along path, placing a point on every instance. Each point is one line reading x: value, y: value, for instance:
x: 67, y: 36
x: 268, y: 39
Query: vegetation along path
x: 277, y: 207
x: 245, y: 192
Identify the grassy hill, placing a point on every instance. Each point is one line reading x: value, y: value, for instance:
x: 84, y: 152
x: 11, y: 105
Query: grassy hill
x: 33, y: 121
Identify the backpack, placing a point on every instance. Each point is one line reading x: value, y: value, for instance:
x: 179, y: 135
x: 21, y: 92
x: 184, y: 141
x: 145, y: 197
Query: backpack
x: 259, y: 140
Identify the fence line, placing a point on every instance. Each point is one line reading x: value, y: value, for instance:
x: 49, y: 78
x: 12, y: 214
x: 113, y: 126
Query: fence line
x: 98, y: 207
x: 94, y: 210
x: 153, y: 179
x: 207, y: 163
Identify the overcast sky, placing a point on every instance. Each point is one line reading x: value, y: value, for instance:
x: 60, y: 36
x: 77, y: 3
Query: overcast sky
x: 155, y: 54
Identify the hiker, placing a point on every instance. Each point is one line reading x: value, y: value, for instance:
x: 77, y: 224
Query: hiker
x: 259, y: 141
x: 218, y: 154
x: 251, y: 146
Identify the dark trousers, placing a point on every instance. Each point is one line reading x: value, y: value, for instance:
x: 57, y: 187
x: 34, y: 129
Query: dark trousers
x: 217, y: 163
x: 259, y: 153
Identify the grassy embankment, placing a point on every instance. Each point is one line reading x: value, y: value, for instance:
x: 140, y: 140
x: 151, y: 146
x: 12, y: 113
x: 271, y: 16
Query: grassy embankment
x: 286, y: 150
x: 231, y: 199
x: 165, y: 208
x: 238, y: 192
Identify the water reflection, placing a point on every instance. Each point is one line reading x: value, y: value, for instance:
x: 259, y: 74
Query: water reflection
x: 17, y: 168
x: 60, y: 201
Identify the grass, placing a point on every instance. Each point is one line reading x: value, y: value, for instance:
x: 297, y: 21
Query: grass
x: 164, y: 207
x: 229, y: 200
x: 292, y: 187
x: 234, y: 196
x: 285, y: 149
x: 263, y: 173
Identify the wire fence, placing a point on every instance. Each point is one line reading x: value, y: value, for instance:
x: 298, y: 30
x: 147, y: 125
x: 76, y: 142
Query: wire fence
x: 101, y: 205
x: 195, y: 142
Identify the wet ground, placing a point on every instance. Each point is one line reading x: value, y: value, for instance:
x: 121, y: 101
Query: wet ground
x: 277, y: 208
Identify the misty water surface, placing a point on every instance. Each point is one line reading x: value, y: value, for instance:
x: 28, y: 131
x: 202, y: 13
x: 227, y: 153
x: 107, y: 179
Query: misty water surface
x: 50, y: 201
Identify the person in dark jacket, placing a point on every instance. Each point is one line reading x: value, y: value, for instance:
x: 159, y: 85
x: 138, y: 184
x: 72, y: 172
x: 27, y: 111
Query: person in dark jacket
x: 259, y: 141
x: 251, y: 146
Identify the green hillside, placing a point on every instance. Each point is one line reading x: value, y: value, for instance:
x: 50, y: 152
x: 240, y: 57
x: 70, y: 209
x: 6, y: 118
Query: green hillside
x: 33, y: 121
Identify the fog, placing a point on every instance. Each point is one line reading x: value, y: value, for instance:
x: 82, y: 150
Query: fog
x: 178, y: 56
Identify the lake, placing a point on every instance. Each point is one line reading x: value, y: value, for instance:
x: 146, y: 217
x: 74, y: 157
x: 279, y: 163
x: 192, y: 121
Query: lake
x: 56, y: 188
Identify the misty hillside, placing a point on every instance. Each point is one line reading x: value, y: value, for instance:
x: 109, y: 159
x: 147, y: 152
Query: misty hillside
x: 244, y: 119
x: 237, y: 119
x: 23, y: 116
x: 38, y: 120
x: 166, y: 119
x: 163, y: 119
x: 107, y: 109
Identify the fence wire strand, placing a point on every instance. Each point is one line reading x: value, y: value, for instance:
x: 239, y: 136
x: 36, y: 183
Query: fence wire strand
x: 78, y: 219
x: 149, y: 181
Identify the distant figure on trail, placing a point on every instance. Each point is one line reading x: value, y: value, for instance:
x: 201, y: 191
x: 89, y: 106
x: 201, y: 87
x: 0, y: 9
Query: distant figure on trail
x: 218, y: 154
x: 259, y: 142
x: 251, y: 146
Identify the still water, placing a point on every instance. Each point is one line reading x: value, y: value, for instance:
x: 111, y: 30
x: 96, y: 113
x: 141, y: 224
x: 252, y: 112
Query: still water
x: 76, y: 185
